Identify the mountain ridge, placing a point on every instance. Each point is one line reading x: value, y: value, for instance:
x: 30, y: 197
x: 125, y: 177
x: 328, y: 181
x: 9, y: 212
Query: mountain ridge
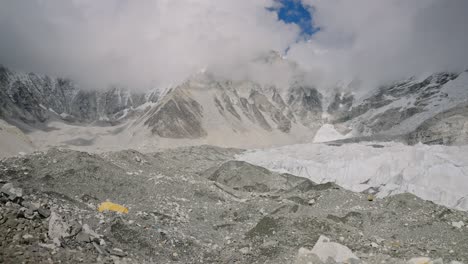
x: 206, y: 109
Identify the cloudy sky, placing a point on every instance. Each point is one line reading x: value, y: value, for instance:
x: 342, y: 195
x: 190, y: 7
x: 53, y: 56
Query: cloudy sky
x: 150, y: 43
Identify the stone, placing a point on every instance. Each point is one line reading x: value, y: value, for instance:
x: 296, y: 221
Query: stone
x: 244, y: 250
x: 29, y: 214
x: 99, y: 249
x: 11, y: 191
x: 48, y: 246
x: 83, y: 237
x: 420, y: 260
x: 117, y: 252
x: 28, y: 236
x: 57, y: 242
x: 305, y: 256
x: 30, y: 206
x: 58, y: 228
x: 459, y: 224
x: 325, y: 249
x: 44, y: 212
x: 87, y: 230
x: 269, y: 244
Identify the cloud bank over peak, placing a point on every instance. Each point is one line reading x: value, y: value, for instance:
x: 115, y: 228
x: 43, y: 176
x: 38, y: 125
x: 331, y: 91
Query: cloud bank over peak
x: 154, y: 43
x: 379, y: 41
x: 137, y: 43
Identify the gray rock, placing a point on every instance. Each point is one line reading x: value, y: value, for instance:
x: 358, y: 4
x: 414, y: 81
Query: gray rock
x: 44, y: 212
x: 117, y: 252
x: 325, y: 249
x: 11, y: 191
x: 305, y: 256
x: 58, y: 227
x: 83, y: 237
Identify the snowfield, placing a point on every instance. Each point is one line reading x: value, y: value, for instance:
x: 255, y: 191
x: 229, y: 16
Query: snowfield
x: 435, y: 173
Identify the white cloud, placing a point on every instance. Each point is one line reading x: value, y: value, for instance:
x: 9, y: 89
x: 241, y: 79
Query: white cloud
x: 138, y: 43
x: 380, y: 41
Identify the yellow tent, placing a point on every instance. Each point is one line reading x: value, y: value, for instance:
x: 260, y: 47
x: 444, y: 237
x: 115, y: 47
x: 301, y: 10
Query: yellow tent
x: 109, y: 206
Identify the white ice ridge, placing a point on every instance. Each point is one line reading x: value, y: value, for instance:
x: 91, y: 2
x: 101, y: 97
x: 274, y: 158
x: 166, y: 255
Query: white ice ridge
x: 435, y: 173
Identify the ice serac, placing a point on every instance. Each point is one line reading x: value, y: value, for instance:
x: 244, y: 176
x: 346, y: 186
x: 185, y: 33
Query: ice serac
x: 431, y: 110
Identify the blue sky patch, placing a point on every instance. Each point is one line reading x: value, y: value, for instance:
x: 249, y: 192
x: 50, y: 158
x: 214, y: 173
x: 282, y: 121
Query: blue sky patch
x: 293, y: 11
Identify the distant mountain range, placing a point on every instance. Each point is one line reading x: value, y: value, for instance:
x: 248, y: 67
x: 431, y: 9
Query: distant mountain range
x: 431, y: 110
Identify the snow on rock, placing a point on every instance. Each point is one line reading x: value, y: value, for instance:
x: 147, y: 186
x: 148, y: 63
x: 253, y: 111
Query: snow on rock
x: 436, y: 173
x: 327, y: 133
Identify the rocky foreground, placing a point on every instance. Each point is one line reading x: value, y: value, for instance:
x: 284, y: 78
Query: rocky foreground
x: 199, y: 205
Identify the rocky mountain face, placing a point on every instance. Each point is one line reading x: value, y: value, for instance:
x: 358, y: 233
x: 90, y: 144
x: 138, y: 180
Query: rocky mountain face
x: 432, y: 110
x: 200, y: 107
x: 203, y: 105
x: 429, y: 110
x: 33, y: 98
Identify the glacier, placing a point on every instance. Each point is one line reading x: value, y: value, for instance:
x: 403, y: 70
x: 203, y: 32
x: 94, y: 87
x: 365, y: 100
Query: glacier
x: 432, y: 172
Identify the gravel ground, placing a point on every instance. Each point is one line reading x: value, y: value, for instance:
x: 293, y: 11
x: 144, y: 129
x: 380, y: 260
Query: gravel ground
x: 196, y: 205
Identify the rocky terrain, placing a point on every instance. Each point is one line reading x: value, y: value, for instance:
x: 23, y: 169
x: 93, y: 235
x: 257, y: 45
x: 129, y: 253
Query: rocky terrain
x: 200, y: 205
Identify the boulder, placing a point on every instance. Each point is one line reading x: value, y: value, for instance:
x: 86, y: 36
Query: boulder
x: 11, y: 191
x: 325, y: 249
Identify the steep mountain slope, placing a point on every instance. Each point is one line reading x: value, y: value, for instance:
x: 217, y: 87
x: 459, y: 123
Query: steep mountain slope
x: 206, y: 107
x: 32, y: 98
x: 431, y: 110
